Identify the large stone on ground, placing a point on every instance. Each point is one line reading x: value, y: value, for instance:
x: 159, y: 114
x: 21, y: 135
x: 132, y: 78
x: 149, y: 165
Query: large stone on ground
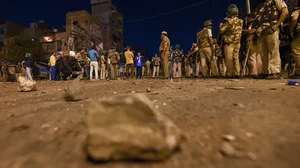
x: 26, y: 85
x: 129, y: 128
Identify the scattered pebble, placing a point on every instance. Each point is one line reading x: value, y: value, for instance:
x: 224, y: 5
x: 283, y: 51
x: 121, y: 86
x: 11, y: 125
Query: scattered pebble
x: 59, y: 89
x: 154, y: 100
x: 249, y: 134
x: 156, y: 106
x: 148, y: 89
x: 227, y: 150
x: 165, y: 104
x: 81, y: 105
x: 44, y: 126
x: 134, y: 83
x: 229, y: 137
x: 56, y: 129
x: 115, y: 93
x: 235, y: 88
x: 239, y: 105
x: 68, y: 109
x: 252, y: 156
x: 133, y: 91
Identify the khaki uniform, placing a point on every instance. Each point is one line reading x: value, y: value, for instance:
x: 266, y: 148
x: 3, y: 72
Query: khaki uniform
x: 114, y: 62
x: 5, y: 71
x: 147, y: 68
x: 295, y: 47
x: 254, y: 61
x: 102, y: 67
x: 205, y: 52
x: 165, y: 44
x: 232, y: 38
x: 129, y: 63
x: 268, y: 37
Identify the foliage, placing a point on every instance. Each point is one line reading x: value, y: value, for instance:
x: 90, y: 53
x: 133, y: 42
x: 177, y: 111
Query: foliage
x: 19, y: 45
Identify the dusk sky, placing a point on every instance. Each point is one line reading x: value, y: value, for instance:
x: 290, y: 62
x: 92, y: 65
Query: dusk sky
x: 181, y: 26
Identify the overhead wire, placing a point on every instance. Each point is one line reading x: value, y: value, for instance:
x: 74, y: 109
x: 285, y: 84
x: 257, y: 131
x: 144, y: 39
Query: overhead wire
x: 167, y: 13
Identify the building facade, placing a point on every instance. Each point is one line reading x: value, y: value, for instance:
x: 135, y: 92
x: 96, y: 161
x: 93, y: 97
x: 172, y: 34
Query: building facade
x: 9, y: 29
x: 112, y: 21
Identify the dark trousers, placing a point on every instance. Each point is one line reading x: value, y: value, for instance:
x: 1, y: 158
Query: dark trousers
x: 87, y: 72
x: 139, y: 70
x: 131, y: 67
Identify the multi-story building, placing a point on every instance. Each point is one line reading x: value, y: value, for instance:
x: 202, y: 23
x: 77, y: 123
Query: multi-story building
x: 81, y: 30
x: 112, y: 21
x: 9, y: 29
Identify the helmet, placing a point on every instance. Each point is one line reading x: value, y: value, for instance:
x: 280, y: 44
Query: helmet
x: 164, y: 32
x: 208, y: 23
x: 232, y: 10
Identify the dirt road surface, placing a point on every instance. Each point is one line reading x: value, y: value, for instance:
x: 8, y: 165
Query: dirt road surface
x: 41, y: 130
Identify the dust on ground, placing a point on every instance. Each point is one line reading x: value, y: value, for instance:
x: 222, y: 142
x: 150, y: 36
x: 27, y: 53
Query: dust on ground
x: 40, y: 129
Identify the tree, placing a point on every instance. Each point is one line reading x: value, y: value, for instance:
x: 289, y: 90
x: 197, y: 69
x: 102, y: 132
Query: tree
x: 19, y: 45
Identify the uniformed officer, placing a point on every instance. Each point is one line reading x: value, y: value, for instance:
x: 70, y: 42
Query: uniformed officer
x: 177, y: 59
x: 164, y: 50
x: 206, y: 49
x: 232, y: 32
x: 295, y: 33
x: 270, y: 16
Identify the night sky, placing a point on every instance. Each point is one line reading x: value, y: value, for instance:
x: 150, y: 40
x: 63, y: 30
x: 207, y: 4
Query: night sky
x: 181, y: 26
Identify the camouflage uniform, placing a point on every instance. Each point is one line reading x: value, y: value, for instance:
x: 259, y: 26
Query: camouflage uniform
x: 165, y: 45
x: 232, y: 38
x: 268, y: 38
x: 114, y: 62
x: 156, y: 64
x: 177, y: 59
x: 206, y: 52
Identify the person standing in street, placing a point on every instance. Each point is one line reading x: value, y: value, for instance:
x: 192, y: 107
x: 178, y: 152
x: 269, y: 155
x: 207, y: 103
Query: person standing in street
x: 52, y: 66
x: 139, y: 65
x: 5, y: 72
x: 129, y: 62
x: 295, y: 34
x: 206, y: 50
x: 28, y: 65
x: 164, y: 50
x: 177, y: 59
x: 269, y: 17
x: 156, y: 64
x: 80, y: 61
x: 232, y: 32
x: 147, y: 67
x: 94, y: 57
x: 102, y: 66
x: 114, y: 62
x: 18, y: 71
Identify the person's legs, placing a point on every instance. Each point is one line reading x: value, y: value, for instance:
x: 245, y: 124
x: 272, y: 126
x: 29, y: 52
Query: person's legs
x: 296, y: 54
x: 203, y: 63
x: 175, y: 65
x: 91, y: 70
x: 96, y: 70
x: 236, y: 60
x: 165, y: 63
x: 154, y: 71
x: 263, y: 50
x: 228, y: 50
x: 53, y: 72
x: 274, y: 55
x: 141, y: 68
x: 28, y: 73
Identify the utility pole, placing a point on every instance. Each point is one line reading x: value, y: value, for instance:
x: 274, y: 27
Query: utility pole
x: 248, y: 6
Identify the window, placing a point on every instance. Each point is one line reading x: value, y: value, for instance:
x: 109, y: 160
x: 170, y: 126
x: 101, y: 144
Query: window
x: 2, y: 31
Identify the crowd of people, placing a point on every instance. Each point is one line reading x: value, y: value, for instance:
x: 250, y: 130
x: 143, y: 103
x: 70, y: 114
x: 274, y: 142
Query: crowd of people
x: 207, y: 58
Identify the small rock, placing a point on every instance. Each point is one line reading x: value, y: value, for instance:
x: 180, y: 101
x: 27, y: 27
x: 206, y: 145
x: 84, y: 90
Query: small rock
x: 19, y: 128
x: 135, y: 83
x: 155, y: 93
x: 180, y: 88
x: 56, y: 129
x: 229, y: 137
x: 156, y: 106
x: 68, y: 109
x: 38, y: 99
x: 227, y: 150
x: 44, y: 126
x: 133, y: 91
x: 43, y: 92
x: 235, y: 88
x: 115, y: 93
x: 252, y: 156
x: 239, y: 105
x: 165, y: 104
x: 81, y: 105
x: 59, y: 89
x: 249, y: 134
x: 148, y: 89
x: 154, y: 100
x: 26, y: 85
